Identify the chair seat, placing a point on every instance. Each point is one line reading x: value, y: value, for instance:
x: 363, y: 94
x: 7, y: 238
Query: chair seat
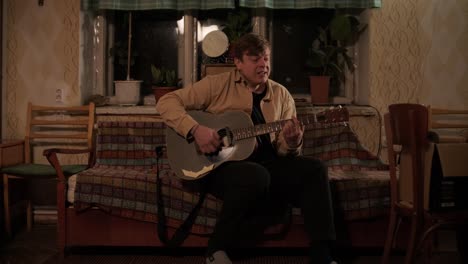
x: 41, y: 170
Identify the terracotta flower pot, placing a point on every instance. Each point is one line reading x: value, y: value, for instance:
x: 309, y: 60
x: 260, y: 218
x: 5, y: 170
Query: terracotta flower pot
x: 319, y: 87
x: 159, y: 91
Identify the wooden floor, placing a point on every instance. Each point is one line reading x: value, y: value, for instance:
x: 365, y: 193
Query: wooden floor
x: 38, y: 247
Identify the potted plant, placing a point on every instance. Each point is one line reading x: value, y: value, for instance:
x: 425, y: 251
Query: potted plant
x: 164, y: 81
x: 127, y: 92
x: 237, y: 24
x: 328, y: 57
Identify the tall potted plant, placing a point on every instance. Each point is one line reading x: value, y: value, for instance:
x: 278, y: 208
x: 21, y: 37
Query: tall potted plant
x: 127, y: 92
x: 328, y: 56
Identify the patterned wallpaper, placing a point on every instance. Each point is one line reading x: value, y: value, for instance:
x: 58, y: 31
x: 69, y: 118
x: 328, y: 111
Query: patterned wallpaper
x: 42, y: 55
x: 417, y: 53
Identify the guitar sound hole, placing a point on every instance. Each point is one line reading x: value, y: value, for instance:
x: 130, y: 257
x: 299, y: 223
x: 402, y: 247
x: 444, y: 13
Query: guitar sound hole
x: 227, y: 146
x: 226, y: 136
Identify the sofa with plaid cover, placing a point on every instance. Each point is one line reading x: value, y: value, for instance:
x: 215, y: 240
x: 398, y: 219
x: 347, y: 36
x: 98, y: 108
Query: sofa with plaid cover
x: 115, y: 200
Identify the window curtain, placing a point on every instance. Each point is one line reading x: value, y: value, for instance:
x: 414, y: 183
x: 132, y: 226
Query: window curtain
x: 302, y: 4
x: 153, y: 4
x: 213, y: 4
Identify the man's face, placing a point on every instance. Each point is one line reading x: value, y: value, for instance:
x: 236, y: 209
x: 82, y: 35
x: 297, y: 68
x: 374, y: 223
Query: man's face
x: 254, y: 68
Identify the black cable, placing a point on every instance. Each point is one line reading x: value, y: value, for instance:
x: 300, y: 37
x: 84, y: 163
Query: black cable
x: 183, y: 231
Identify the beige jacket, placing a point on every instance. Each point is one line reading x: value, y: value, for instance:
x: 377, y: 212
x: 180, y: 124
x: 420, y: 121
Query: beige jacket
x: 226, y: 91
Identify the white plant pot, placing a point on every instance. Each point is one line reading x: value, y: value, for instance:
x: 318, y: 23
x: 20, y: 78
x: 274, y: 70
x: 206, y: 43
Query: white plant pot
x: 127, y: 92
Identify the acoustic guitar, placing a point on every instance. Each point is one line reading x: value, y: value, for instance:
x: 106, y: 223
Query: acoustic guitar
x: 237, y: 132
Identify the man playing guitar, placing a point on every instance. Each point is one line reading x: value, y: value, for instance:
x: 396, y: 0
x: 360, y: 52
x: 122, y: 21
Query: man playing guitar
x: 274, y: 175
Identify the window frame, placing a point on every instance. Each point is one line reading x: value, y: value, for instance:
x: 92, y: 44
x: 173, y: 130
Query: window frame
x: 98, y: 28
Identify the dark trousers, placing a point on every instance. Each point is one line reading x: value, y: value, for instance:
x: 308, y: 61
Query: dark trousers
x: 249, y: 190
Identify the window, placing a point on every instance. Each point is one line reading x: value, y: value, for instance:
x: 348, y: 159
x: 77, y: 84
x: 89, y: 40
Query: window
x: 292, y: 36
x: 172, y: 39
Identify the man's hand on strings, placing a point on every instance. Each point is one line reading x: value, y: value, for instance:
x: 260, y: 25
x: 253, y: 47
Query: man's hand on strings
x: 293, y: 131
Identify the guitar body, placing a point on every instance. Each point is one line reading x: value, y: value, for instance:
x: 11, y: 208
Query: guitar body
x: 189, y: 164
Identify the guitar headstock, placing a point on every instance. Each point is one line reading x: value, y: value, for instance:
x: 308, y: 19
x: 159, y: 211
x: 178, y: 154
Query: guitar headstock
x: 333, y: 115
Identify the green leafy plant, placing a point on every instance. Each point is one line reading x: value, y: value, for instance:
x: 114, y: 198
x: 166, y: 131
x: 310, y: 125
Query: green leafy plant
x: 163, y: 77
x: 237, y: 24
x: 328, y: 55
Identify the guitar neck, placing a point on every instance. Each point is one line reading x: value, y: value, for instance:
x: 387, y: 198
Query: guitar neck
x: 261, y: 129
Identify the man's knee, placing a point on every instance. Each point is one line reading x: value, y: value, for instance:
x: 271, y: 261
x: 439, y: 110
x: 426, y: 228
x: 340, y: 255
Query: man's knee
x: 315, y: 170
x: 256, y: 179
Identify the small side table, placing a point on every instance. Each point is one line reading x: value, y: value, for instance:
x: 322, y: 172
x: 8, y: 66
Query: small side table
x: 11, y: 153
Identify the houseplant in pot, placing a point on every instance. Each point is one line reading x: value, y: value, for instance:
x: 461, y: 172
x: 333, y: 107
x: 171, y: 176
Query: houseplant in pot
x: 127, y: 92
x: 237, y: 24
x: 328, y: 57
x: 164, y: 81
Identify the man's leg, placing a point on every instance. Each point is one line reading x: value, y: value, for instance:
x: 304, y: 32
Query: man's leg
x: 243, y: 187
x: 303, y: 182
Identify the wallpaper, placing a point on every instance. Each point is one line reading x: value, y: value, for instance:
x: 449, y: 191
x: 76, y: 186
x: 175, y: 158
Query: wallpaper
x: 41, y: 58
x: 418, y: 53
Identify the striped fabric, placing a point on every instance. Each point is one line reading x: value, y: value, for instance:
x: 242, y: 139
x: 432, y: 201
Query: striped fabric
x: 339, y: 147
x: 213, y: 4
x: 152, y: 4
x: 123, y: 181
x: 302, y: 4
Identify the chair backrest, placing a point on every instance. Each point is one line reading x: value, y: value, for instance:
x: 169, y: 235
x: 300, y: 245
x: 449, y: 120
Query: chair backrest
x: 62, y: 126
x: 392, y: 159
x: 450, y: 125
x: 407, y: 128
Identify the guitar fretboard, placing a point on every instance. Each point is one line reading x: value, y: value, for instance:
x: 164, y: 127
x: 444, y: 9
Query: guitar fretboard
x: 261, y: 129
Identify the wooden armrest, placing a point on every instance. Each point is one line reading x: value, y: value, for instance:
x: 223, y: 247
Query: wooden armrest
x: 65, y: 151
x: 445, y: 124
x: 441, y: 111
x: 51, y: 156
x: 435, y: 137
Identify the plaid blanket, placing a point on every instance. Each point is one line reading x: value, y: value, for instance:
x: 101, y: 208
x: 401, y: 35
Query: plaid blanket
x: 123, y: 181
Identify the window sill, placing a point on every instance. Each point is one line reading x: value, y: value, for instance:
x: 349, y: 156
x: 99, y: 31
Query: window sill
x: 126, y: 110
x: 354, y: 110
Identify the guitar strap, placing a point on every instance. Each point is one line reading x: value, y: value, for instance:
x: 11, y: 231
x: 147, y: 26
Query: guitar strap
x: 183, y: 230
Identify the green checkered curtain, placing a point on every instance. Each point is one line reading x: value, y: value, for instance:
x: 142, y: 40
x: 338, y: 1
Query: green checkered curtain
x: 302, y: 4
x: 156, y: 4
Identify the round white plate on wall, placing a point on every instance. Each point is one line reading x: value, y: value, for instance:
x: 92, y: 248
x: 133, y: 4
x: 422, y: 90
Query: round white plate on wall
x: 215, y: 43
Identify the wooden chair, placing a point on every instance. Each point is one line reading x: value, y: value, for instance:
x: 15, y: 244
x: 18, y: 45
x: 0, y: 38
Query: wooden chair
x: 46, y: 126
x: 406, y: 127
x: 449, y: 125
